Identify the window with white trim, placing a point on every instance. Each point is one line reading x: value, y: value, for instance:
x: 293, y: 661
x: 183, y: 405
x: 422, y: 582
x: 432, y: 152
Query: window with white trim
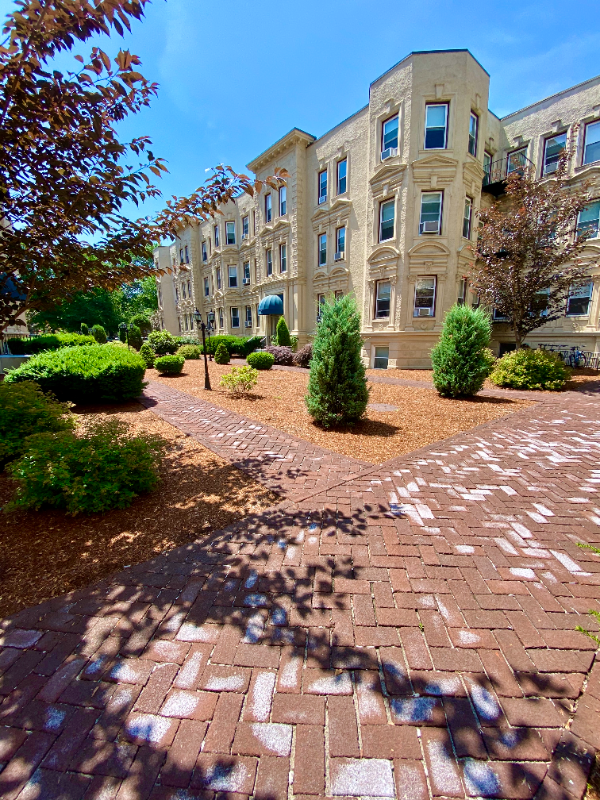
x: 588, y: 221
x: 424, y: 297
x: 181, y: 255
x: 431, y: 212
x: 221, y: 318
x: 516, y: 160
x: 591, y: 145
x: 268, y: 208
x: 383, y: 295
x: 235, y: 317
x: 233, y: 277
x: 322, y: 186
x: 340, y: 243
x: 338, y: 294
x: 219, y: 286
x: 436, y: 126
x: 487, y: 166
x: 322, y: 249
x: 245, y: 227
x: 554, y: 147
x: 269, y: 256
x: 246, y: 273
x: 320, y: 303
x: 578, y: 303
x: 204, y: 252
x: 382, y: 356
x: 473, y: 133
x: 342, y: 176
x: 206, y: 287
x: 282, y: 258
x: 216, y: 231
x: 248, y: 323
x: 282, y: 201
x: 387, y: 214
x: 467, y: 215
x: 462, y: 292
x: 389, y: 137
x: 187, y: 254
x: 230, y: 233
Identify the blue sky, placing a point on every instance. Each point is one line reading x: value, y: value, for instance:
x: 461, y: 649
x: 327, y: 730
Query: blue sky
x: 235, y: 76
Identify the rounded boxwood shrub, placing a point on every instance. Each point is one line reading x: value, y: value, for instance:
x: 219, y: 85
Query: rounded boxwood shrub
x: 50, y: 341
x: 282, y: 355
x: 261, y: 360
x: 99, y: 334
x: 163, y: 343
x: 93, y: 374
x: 169, y: 365
x: 190, y: 351
x: 462, y: 359
x: 530, y: 369
x: 135, y: 337
x: 222, y: 354
x: 25, y: 410
x: 147, y: 353
x: 104, y: 468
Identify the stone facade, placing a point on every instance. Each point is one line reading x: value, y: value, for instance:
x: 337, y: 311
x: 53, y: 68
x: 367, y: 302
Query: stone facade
x: 382, y: 206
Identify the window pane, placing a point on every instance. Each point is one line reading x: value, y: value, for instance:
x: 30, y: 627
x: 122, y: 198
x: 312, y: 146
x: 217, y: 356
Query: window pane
x: 390, y: 133
x: 552, y: 151
x: 382, y: 302
x: 467, y: 218
x: 592, y: 143
x: 387, y: 221
x: 579, y: 300
x: 341, y: 240
x: 235, y: 318
x: 230, y: 232
x: 232, y: 277
x: 322, y: 249
x: 342, y: 171
x: 269, y: 262
x: 283, y: 258
x: 268, y: 208
x: 322, y: 186
x: 473, y: 123
x: 424, y: 297
x: 515, y: 160
x: 435, y: 127
x: 381, y: 357
x: 589, y: 220
x: 282, y: 201
x: 431, y: 208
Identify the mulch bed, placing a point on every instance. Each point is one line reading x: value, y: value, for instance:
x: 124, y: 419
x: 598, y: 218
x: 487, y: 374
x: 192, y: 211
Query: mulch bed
x: 47, y: 553
x: 581, y: 379
x: 422, y: 416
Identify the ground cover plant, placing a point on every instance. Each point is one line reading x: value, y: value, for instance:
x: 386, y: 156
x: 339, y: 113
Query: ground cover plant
x: 25, y: 410
x: 95, y: 373
x: 530, y: 369
x: 169, y: 365
x: 337, y: 387
x: 261, y: 360
x: 240, y: 380
x: 462, y: 359
x: 50, y: 341
x: 104, y: 469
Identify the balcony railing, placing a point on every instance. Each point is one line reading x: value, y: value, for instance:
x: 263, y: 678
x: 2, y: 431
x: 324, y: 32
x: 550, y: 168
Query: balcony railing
x: 494, y: 178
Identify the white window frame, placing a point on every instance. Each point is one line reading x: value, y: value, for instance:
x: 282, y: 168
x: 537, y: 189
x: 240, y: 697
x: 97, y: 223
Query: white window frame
x: 340, y: 242
x: 246, y: 269
x: 419, y: 287
x: 576, y: 295
x: 547, y: 140
x: 582, y: 225
x: 206, y: 287
x: 376, y: 313
x: 230, y: 232
x: 268, y: 207
x: 590, y: 125
x: 472, y: 148
x: 282, y: 258
x: 269, y: 261
x: 237, y: 310
x: 446, y: 106
x: 248, y: 317
x: 282, y: 201
x: 245, y: 227
x: 232, y: 274
x: 342, y: 177
x: 467, y: 218
x: 383, y: 204
x: 322, y: 185
x: 322, y: 240
x: 422, y: 222
x: 385, y: 146
x: 216, y: 233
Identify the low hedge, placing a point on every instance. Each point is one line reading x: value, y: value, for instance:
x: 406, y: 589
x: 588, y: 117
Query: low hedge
x: 530, y: 369
x: 169, y: 365
x: 261, y: 360
x: 236, y: 345
x: 92, y: 374
x: 51, y: 341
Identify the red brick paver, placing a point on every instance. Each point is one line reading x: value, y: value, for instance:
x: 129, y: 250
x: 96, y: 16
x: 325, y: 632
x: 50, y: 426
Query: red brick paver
x: 406, y: 633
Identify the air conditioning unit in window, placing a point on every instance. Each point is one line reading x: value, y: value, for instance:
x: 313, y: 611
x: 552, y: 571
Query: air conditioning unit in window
x: 389, y: 152
x: 246, y: 281
x: 425, y: 312
x: 244, y: 236
x: 430, y: 227
x: 338, y: 256
x: 247, y: 324
x: 322, y: 199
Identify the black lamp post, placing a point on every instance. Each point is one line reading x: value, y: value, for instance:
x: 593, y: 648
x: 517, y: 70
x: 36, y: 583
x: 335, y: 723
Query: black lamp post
x: 125, y: 327
x: 202, y: 327
x: 209, y: 329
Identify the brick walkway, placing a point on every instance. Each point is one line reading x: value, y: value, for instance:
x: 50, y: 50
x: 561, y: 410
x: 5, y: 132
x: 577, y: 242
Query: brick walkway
x: 408, y: 633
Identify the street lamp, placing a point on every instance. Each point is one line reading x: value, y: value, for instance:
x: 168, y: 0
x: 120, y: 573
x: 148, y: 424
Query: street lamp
x: 125, y: 327
x: 202, y: 327
x: 210, y: 328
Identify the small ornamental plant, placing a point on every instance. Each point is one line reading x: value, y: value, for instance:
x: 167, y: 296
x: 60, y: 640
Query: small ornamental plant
x: 283, y: 355
x: 530, y: 369
x: 169, y: 365
x: 240, y: 380
x: 303, y: 357
x: 261, y: 360
x: 337, y: 385
x: 142, y: 322
x: 147, y: 353
x: 190, y: 351
x: 222, y: 354
x: 84, y: 330
x: 163, y: 343
x: 462, y: 359
x: 99, y: 334
x: 135, y: 337
x: 282, y: 333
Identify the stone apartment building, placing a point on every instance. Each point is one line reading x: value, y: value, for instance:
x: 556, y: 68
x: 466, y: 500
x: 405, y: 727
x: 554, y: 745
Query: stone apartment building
x: 384, y: 206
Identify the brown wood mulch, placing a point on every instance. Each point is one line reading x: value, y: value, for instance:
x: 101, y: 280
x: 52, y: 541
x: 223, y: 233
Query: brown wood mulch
x: 581, y: 379
x: 421, y: 416
x: 46, y: 553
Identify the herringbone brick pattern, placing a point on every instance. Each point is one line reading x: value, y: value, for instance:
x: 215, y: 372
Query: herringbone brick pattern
x: 407, y: 633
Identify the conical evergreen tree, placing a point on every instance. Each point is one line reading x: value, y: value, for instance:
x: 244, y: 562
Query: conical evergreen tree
x: 283, y: 333
x: 337, y: 386
x: 462, y: 359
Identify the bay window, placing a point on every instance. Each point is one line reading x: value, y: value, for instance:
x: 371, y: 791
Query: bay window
x: 467, y: 215
x: 246, y: 273
x: 386, y: 220
x: 322, y: 186
x: 268, y: 208
x: 389, y: 137
x: 340, y: 243
x: 282, y: 258
x: 436, y: 126
x: 219, y: 284
x: 216, y: 231
x: 245, y: 227
x: 322, y: 249
x: 424, y: 297
x: 233, y: 278
x: 282, y: 201
x: 383, y: 295
x: 230, y: 233
x: 342, y: 175
x: 431, y: 212
x: 269, y: 255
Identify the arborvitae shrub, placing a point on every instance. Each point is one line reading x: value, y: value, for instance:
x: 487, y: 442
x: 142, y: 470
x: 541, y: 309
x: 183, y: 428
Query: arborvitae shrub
x: 462, y: 359
x: 530, y: 369
x: 337, y: 386
x: 261, y: 360
x: 135, y: 337
x: 169, y: 365
x: 163, y: 343
x: 84, y: 329
x: 283, y: 334
x: 99, y: 334
x: 147, y: 353
x: 123, y: 335
x: 222, y: 354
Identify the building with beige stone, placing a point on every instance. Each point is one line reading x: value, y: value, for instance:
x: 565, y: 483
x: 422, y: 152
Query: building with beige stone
x: 384, y: 206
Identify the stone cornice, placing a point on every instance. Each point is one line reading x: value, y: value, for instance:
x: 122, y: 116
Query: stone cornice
x: 287, y: 142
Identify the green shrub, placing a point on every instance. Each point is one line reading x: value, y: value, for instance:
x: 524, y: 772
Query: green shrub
x: 261, y: 360
x: 240, y: 380
x: 530, y: 369
x: 135, y: 337
x: 123, y: 333
x: 222, y: 354
x: 283, y: 334
x: 190, y: 351
x: 101, y: 470
x: 163, y: 343
x: 303, y: 357
x: 25, y: 410
x: 294, y: 341
x: 147, y: 353
x: 250, y: 345
x: 171, y: 365
x: 236, y: 345
x: 83, y: 329
x: 142, y: 322
x: 90, y: 374
x: 50, y: 341
x: 99, y: 334
x: 181, y: 340
x: 462, y: 359
x: 337, y: 385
